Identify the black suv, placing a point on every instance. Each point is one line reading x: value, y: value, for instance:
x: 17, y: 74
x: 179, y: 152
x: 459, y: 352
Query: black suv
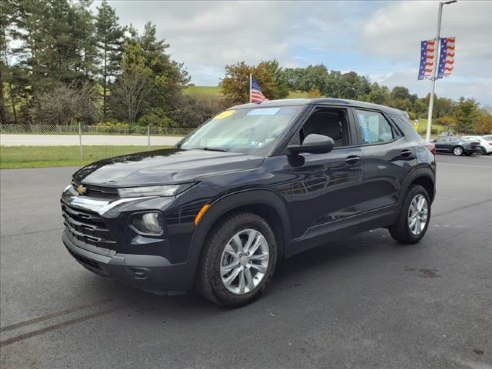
x: 256, y: 183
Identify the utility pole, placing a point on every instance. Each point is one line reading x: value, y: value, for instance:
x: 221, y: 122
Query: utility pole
x: 434, y: 67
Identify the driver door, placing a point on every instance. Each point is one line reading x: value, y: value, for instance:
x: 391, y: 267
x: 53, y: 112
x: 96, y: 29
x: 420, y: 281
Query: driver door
x: 327, y: 194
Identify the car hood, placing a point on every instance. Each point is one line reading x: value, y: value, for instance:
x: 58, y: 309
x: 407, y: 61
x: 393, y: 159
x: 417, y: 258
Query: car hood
x: 163, y: 167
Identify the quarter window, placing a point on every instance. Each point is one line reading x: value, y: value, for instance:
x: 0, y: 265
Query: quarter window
x: 374, y: 128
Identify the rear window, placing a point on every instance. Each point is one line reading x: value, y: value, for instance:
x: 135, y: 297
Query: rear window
x: 404, y: 124
x: 374, y: 128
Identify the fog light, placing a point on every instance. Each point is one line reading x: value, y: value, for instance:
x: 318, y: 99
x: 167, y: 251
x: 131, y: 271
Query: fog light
x: 148, y: 223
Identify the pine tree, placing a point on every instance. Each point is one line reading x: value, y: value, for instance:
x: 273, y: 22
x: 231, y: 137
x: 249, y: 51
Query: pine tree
x: 109, y: 42
x: 5, y: 12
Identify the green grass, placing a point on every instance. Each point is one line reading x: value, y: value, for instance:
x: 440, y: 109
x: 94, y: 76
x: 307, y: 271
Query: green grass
x: 14, y: 157
x: 297, y: 95
x: 215, y: 91
x: 436, y: 128
x: 204, y: 91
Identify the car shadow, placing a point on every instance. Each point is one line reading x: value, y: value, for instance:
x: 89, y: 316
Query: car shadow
x: 289, y: 272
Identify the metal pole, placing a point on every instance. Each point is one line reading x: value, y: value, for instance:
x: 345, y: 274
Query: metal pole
x: 80, y: 139
x: 434, y: 70
x: 148, y: 135
x: 250, y: 84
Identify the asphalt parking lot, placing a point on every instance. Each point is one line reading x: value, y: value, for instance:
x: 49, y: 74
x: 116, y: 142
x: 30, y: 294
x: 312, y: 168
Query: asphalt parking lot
x: 364, y: 302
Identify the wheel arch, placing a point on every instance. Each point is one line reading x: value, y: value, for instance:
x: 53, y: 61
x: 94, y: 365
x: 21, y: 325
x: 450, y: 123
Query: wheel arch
x: 424, y: 177
x: 264, y: 203
x: 427, y: 183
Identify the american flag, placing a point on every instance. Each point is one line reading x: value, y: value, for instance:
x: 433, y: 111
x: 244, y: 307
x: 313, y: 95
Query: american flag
x: 427, y: 52
x: 446, y: 57
x: 255, y: 92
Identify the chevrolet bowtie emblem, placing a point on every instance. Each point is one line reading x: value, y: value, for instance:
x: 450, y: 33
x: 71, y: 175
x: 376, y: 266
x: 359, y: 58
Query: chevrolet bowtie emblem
x: 81, y: 189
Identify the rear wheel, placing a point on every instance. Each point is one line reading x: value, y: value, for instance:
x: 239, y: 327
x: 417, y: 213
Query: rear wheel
x: 238, y: 260
x: 414, y: 217
x: 483, y: 150
x: 458, y: 151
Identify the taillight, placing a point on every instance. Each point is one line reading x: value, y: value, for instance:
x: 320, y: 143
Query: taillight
x: 490, y: 142
x: 431, y: 147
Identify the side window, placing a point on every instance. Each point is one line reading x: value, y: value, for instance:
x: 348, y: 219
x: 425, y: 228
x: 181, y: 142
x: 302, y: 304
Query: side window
x: 374, y: 127
x: 328, y: 122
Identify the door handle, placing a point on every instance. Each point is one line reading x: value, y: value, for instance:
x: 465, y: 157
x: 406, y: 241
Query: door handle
x: 352, y: 159
x: 405, y: 153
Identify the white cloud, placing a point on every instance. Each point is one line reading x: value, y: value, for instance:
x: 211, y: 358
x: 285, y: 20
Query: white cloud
x: 395, y: 30
x: 369, y: 37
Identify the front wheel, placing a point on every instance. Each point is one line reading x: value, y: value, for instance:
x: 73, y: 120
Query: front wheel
x: 458, y: 151
x: 414, y: 217
x: 483, y: 150
x: 238, y: 260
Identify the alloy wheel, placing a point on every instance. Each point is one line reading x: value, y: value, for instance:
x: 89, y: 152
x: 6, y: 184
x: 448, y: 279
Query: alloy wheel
x: 244, y: 261
x: 418, y: 214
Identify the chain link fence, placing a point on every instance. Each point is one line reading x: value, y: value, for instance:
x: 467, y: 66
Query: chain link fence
x: 22, y: 144
x: 53, y: 129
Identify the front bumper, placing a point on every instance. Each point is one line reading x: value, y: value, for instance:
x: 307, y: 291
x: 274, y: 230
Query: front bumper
x: 152, y: 273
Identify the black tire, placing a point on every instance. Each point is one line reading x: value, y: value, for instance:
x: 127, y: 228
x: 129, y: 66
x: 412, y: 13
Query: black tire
x: 401, y: 230
x: 458, y: 151
x: 209, y: 282
x: 483, y: 151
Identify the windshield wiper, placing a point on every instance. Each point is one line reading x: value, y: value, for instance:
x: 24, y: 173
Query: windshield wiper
x: 206, y: 148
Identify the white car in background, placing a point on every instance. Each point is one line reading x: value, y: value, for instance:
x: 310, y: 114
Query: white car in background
x: 485, y: 143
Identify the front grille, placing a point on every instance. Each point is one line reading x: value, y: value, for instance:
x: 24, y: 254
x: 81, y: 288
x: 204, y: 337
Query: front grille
x: 98, y: 191
x: 88, y: 227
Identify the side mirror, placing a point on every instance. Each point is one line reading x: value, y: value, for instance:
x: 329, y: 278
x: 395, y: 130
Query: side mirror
x: 313, y: 144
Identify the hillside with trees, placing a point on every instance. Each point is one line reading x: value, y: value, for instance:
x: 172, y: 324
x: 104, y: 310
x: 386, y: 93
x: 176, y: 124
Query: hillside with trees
x: 62, y: 62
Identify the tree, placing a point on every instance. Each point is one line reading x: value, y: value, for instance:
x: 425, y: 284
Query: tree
x: 84, y: 39
x: 281, y: 89
x: 268, y: 74
x: 109, y: 43
x: 190, y: 111
x: 129, y: 94
x: 400, y: 93
x: 466, y: 113
x: 65, y: 105
x: 314, y: 77
x: 5, y: 15
x: 377, y: 95
x: 53, y: 44
x: 145, y: 54
x: 235, y: 85
x: 483, y: 125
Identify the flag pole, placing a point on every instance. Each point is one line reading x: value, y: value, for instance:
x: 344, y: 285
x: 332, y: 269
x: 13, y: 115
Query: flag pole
x: 250, y: 83
x: 435, y: 65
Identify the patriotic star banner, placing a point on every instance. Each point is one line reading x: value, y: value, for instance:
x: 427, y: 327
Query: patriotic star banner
x: 446, y: 57
x: 428, y: 51
x: 427, y: 54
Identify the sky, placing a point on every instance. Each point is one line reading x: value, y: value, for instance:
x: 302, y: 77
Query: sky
x: 379, y: 39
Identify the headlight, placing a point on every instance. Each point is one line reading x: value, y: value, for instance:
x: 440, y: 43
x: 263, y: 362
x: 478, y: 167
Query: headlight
x: 147, y: 223
x: 165, y: 190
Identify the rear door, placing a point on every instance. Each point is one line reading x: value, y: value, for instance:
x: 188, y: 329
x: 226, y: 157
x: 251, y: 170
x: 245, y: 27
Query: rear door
x: 387, y: 157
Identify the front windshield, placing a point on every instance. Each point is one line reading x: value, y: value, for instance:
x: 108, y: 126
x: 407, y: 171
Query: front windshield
x: 247, y: 130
